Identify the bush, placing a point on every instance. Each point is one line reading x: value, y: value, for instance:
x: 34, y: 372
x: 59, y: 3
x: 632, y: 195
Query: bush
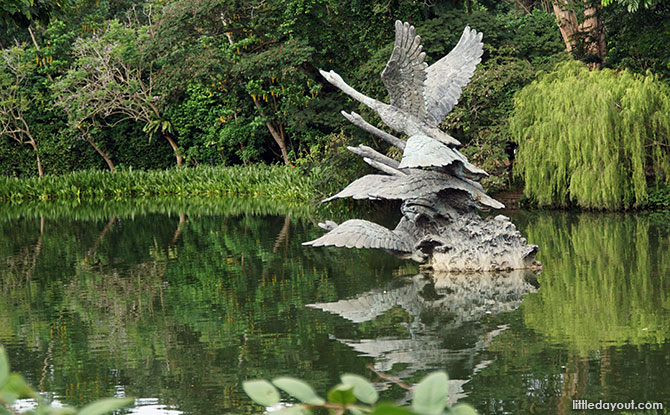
x: 279, y: 182
x: 357, y: 396
x: 591, y: 138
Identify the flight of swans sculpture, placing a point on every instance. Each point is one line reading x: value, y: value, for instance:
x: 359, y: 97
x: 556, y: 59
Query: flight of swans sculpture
x: 437, y: 185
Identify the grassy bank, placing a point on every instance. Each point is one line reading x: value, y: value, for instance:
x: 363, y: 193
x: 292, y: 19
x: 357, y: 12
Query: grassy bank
x: 272, y: 181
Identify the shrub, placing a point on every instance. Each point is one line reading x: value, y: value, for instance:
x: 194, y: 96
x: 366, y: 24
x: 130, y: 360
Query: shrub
x: 590, y: 138
x: 357, y: 396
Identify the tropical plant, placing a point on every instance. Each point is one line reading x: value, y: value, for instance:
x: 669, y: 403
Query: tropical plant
x: 13, y: 387
x: 279, y: 182
x: 112, y: 80
x: 356, y: 395
x: 16, y: 99
x: 590, y: 138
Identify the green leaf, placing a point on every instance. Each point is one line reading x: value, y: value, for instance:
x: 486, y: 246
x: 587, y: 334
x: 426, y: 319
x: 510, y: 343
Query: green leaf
x: 430, y: 395
x: 363, y: 389
x: 16, y: 387
x: 105, y: 405
x: 390, y: 409
x: 292, y: 410
x: 342, y: 394
x: 463, y: 409
x: 4, y: 366
x: 299, y: 390
x: 261, y: 391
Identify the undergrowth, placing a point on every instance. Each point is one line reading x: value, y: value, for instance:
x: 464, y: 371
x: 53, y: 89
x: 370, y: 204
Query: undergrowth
x: 273, y: 181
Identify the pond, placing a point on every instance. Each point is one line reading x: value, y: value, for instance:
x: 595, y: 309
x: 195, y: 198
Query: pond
x: 176, y: 303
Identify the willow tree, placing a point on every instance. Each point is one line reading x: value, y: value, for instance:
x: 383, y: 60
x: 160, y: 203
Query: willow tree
x: 591, y: 138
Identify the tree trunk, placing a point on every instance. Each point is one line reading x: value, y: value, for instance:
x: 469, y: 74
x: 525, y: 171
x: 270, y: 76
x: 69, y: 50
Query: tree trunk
x: 175, y: 148
x: 33, y: 144
x: 278, y: 135
x: 591, y: 30
x: 109, y: 162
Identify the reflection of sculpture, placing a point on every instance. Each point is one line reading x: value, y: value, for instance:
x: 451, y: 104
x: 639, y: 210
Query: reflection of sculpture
x: 440, y: 307
x: 437, y: 184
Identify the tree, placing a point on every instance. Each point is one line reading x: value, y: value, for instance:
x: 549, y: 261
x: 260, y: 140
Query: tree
x: 23, y: 12
x: 595, y: 146
x: 582, y: 29
x: 633, y: 5
x: 16, y: 99
x: 241, y: 53
x: 112, y: 80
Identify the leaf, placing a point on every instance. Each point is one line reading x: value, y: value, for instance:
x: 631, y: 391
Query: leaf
x: 105, y: 405
x: 463, y: 409
x: 299, y: 390
x: 261, y: 391
x: 4, y: 366
x: 430, y: 395
x: 363, y: 389
x: 16, y: 387
x: 342, y: 394
x: 292, y: 410
x: 390, y: 409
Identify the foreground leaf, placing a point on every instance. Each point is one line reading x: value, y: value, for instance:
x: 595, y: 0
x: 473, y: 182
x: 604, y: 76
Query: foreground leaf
x: 463, y: 409
x: 15, y: 387
x: 342, y: 394
x: 363, y: 389
x: 261, y: 391
x: 4, y: 367
x: 105, y: 405
x: 430, y: 395
x: 299, y: 390
x: 389, y: 409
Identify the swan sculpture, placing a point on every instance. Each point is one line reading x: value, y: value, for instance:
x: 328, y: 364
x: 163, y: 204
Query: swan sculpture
x: 421, y: 96
x: 437, y: 184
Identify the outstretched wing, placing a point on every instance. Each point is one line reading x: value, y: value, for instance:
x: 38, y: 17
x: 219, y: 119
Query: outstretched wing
x: 357, y: 233
x: 423, y: 151
x: 405, y: 72
x: 420, y: 183
x: 446, y: 77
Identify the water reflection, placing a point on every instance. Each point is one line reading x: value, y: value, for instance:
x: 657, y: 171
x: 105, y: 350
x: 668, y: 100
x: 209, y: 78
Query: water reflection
x: 176, y: 306
x: 598, y: 326
x: 437, y: 308
x: 606, y: 281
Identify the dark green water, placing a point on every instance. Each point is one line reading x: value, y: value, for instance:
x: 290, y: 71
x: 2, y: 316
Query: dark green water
x: 176, y: 304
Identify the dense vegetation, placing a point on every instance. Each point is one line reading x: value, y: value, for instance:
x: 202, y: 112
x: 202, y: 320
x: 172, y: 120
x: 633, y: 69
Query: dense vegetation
x: 149, y: 84
x: 277, y: 182
x: 595, y: 145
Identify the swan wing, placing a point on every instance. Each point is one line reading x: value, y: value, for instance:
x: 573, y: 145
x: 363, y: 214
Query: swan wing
x: 405, y: 73
x: 446, y: 78
x: 420, y: 183
x: 357, y: 233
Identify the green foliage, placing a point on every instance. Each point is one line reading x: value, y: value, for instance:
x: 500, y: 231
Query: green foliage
x: 603, y: 282
x: 23, y: 12
x: 659, y: 195
x: 589, y: 138
x: 639, y: 41
x: 284, y: 183
x: 13, y: 387
x: 633, y: 5
x: 429, y: 397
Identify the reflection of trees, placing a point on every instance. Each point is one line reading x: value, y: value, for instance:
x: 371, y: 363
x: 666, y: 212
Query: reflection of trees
x: 605, y: 282
x: 438, y: 309
x: 177, y: 308
x: 598, y: 326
